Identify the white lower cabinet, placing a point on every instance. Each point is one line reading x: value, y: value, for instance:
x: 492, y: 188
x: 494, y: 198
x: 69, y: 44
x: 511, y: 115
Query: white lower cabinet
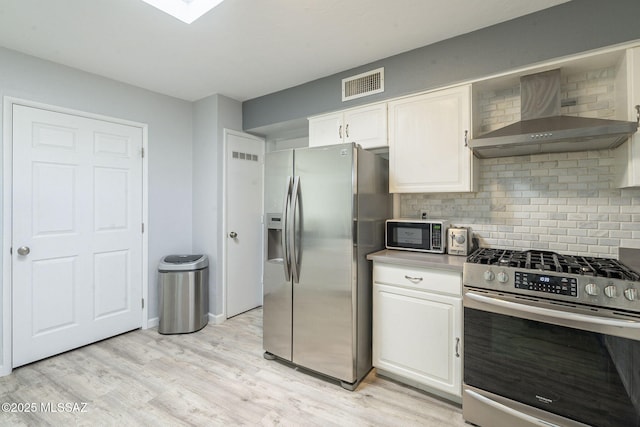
x: 417, y: 327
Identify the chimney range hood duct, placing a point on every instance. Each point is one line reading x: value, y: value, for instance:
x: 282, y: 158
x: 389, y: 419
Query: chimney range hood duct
x: 543, y: 130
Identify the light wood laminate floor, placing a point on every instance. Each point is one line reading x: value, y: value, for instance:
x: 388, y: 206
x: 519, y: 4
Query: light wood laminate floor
x: 216, y: 376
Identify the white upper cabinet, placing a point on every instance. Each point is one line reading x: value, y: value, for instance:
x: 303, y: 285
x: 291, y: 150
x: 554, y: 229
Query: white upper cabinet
x: 628, y: 154
x: 428, y: 137
x: 326, y: 130
x: 366, y: 126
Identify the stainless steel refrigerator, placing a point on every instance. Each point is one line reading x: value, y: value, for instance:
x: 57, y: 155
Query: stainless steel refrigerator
x: 325, y: 210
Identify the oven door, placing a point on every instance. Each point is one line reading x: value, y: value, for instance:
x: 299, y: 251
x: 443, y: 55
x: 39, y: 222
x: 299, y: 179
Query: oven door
x: 534, y: 362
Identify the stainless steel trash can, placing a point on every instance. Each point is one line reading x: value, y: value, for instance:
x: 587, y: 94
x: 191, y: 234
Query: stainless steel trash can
x: 184, y: 293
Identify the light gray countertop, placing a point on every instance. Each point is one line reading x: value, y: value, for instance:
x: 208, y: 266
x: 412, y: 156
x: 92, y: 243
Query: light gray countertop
x: 418, y: 259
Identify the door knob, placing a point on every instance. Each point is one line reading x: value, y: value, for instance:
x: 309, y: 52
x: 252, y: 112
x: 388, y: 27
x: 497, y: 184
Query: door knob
x: 233, y: 234
x: 24, y: 250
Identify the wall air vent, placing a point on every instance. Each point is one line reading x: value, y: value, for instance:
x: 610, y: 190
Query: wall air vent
x: 364, y: 84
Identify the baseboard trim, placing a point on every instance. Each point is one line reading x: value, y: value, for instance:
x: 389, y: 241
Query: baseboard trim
x: 216, y: 319
x: 153, y: 323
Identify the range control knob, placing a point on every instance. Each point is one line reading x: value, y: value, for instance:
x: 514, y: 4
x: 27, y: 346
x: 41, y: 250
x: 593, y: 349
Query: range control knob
x: 611, y: 291
x: 592, y: 289
x: 488, y: 275
x: 630, y: 294
x: 503, y: 277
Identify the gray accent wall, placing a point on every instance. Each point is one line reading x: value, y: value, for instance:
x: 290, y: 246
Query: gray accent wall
x: 570, y: 28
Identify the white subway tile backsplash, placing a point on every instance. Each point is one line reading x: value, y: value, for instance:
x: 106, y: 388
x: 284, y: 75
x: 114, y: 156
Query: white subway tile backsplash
x: 631, y: 243
x: 588, y: 240
x: 588, y: 225
x: 560, y: 247
x: 531, y: 211
x: 634, y: 226
x: 577, y: 216
x: 582, y: 249
x: 558, y: 231
x: 577, y: 232
x: 609, y: 242
x: 587, y: 209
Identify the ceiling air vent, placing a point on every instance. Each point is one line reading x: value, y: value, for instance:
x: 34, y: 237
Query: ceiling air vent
x: 363, y: 84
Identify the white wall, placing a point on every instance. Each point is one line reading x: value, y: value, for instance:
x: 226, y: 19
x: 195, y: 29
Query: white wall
x: 211, y: 116
x: 205, y: 188
x: 170, y: 141
x: 287, y: 144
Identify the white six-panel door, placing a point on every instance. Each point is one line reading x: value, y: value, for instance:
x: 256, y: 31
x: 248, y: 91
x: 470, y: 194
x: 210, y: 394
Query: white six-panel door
x: 77, y: 238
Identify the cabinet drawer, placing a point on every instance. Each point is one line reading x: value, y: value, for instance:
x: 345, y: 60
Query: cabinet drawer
x: 432, y: 280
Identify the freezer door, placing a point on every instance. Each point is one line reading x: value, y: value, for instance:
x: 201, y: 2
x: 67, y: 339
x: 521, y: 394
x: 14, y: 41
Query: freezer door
x: 324, y: 294
x: 277, y: 313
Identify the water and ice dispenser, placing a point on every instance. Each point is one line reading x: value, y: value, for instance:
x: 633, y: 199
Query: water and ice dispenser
x: 274, y: 236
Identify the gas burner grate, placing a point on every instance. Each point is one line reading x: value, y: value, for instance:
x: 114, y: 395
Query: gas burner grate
x: 551, y: 261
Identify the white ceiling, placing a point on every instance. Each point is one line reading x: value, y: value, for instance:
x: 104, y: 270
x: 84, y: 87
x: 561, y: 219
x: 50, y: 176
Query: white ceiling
x: 242, y: 48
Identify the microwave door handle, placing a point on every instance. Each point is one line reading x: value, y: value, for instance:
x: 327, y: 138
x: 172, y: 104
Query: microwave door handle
x: 566, y: 318
x: 286, y: 256
x: 294, y: 238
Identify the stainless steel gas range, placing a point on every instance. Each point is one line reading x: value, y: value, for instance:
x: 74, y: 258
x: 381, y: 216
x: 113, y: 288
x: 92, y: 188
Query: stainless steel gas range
x: 550, y: 340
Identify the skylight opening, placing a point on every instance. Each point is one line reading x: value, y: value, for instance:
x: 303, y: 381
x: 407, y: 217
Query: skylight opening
x: 186, y: 11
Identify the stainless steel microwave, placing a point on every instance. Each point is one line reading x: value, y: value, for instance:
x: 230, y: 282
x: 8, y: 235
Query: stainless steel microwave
x: 421, y: 235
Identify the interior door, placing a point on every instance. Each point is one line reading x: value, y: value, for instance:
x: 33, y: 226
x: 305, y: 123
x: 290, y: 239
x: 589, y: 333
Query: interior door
x: 77, y: 239
x: 244, y: 176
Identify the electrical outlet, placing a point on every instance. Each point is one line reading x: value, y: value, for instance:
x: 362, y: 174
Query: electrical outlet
x: 423, y: 214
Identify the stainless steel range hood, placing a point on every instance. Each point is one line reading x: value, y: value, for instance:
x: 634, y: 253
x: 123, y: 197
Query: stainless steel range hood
x: 542, y: 128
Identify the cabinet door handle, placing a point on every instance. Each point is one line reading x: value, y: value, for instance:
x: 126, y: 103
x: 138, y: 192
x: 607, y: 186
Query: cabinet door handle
x: 413, y: 279
x: 466, y: 138
x: 346, y: 130
x: 457, y: 347
x: 340, y: 131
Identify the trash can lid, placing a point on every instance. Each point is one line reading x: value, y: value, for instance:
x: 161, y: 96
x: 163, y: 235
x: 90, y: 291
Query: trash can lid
x: 183, y: 262
x: 181, y: 259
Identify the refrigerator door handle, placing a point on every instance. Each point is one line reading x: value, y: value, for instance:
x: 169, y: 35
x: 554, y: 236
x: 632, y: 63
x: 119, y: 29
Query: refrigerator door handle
x: 293, y: 236
x: 286, y: 255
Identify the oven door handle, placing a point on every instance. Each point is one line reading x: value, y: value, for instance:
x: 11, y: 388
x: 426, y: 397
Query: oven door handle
x: 564, y: 318
x: 513, y: 414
